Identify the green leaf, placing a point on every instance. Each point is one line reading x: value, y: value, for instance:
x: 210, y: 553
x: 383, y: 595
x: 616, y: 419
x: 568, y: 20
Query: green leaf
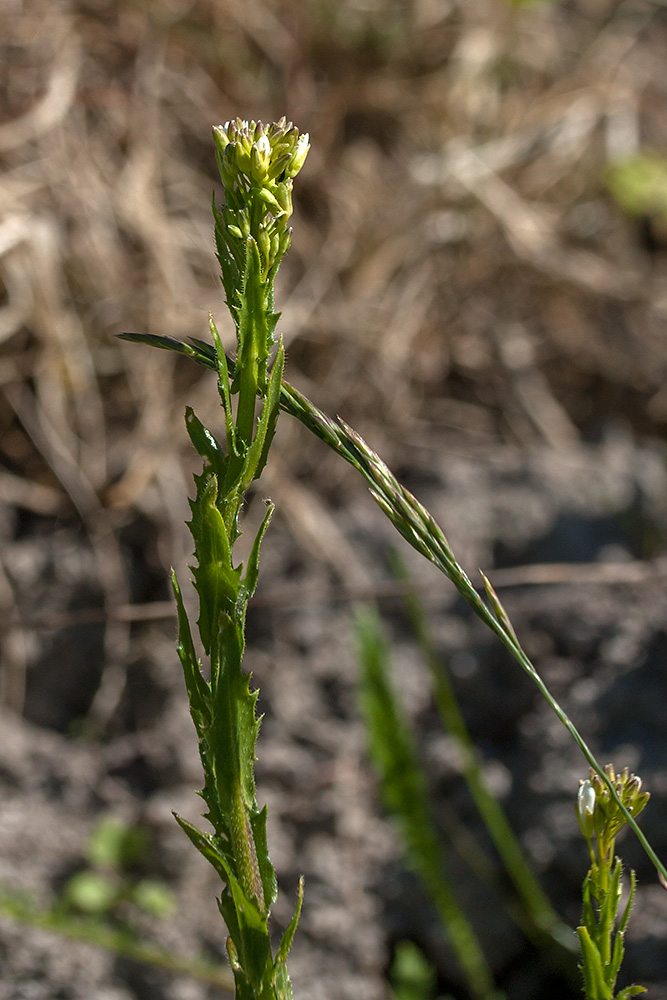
x: 250, y: 580
x: 622, y: 927
x: 206, y: 446
x: 254, y: 332
x: 197, y: 688
x: 171, y: 344
x: 630, y: 991
x: 266, y: 428
x: 290, y: 930
x: 616, y: 961
x: 281, y: 982
x: 216, y: 580
x: 254, y: 947
x: 207, y: 847
x: 230, y: 274
x: 228, y: 912
x: 592, y: 969
x: 267, y: 872
x: 224, y: 388
x: 205, y: 349
x: 234, y: 728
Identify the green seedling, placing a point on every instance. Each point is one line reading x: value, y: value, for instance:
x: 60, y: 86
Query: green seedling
x: 114, y: 850
x: 604, y: 918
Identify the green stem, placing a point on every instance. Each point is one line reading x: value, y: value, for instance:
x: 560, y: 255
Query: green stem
x: 537, y: 904
x: 418, y: 527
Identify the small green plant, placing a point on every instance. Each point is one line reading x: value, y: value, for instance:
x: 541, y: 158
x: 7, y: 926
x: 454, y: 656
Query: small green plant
x: 603, y: 921
x: 114, y: 850
x: 257, y: 166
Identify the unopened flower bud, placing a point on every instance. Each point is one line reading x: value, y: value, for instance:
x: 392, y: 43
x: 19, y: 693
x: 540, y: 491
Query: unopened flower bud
x: 586, y: 808
x: 229, y: 159
x: 260, y: 157
x: 278, y: 165
x: 264, y: 244
x: 269, y: 199
x: 220, y: 137
x: 284, y: 196
x: 299, y: 156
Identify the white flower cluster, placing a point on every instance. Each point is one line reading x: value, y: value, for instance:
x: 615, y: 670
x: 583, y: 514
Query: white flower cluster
x: 261, y: 155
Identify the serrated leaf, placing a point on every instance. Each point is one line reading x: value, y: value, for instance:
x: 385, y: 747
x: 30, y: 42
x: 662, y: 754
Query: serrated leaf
x: 253, y: 318
x: 592, y: 970
x: 267, y: 872
x: 229, y: 269
x: 216, y: 580
x: 281, y: 982
x: 630, y: 991
x: 224, y: 388
x: 197, y: 688
x: 253, y: 947
x: 266, y: 428
x: 234, y: 728
x: 290, y: 930
x: 616, y: 960
x: 628, y: 906
x: 250, y: 580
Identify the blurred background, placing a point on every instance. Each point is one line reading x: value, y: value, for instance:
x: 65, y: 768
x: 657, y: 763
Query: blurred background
x: 477, y: 285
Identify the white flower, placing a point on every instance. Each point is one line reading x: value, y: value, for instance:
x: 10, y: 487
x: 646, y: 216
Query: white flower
x: 586, y: 808
x: 264, y: 147
x: 586, y: 799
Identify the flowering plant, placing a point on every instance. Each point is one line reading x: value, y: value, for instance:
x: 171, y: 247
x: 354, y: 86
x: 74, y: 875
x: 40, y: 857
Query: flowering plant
x: 603, y: 926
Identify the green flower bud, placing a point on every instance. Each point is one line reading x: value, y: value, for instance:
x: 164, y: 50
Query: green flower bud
x: 269, y: 199
x: 300, y: 153
x: 220, y: 137
x: 609, y: 819
x: 229, y: 159
x: 242, y: 157
x: 278, y: 165
x: 264, y: 244
x: 284, y: 196
x: 284, y: 241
